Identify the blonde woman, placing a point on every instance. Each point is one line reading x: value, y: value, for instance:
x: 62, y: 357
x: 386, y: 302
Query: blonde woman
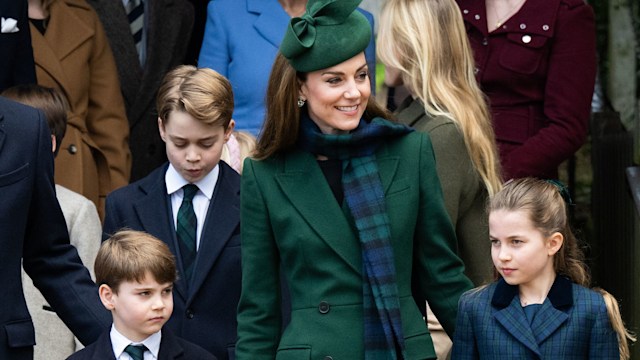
x: 424, y: 46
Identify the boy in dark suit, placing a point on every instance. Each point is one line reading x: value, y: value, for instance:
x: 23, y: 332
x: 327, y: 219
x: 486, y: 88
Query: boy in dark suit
x: 136, y: 273
x: 192, y: 204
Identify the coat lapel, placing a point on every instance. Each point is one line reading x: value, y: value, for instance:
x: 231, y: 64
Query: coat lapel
x: 508, y: 312
x: 552, y: 313
x: 223, y: 217
x: 305, y: 186
x: 154, y: 212
x: 269, y: 12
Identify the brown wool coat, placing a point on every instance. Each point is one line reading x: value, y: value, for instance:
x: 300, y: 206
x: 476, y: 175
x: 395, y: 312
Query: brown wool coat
x: 74, y: 56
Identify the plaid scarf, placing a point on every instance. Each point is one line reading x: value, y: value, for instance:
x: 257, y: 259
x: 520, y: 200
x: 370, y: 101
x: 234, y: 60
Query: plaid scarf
x: 383, y: 336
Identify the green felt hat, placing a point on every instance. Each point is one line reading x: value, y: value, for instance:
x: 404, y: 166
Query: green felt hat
x: 329, y: 32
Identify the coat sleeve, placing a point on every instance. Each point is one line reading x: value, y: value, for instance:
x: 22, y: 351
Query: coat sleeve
x: 49, y: 259
x: 106, y: 118
x: 603, y: 341
x: 259, y: 311
x: 438, y: 271
x: 464, y: 343
x: 214, y: 53
x: 567, y: 95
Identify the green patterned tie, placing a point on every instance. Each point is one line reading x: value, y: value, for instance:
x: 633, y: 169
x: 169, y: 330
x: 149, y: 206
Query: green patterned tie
x: 136, y: 351
x: 186, y: 230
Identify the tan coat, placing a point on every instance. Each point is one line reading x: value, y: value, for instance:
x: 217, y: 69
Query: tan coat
x: 74, y: 57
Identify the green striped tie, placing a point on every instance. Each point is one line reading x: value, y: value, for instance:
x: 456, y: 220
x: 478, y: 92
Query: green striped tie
x: 186, y: 230
x: 136, y: 351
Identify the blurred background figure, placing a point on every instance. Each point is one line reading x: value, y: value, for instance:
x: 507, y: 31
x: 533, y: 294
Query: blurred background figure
x: 72, y: 55
x: 424, y: 46
x: 536, y: 61
x: 15, y: 39
x: 240, y: 145
x: 148, y: 38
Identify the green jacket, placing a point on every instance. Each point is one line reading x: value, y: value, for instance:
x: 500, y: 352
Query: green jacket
x: 292, y: 222
x: 465, y: 195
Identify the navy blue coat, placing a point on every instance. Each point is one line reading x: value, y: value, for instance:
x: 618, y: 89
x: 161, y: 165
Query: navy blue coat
x: 205, y: 311
x: 171, y: 348
x: 32, y: 229
x: 18, y: 67
x: 571, y: 324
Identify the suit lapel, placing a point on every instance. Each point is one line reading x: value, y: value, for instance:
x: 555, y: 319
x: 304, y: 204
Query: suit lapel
x: 305, y: 186
x: 223, y: 217
x: 269, y: 12
x: 515, y: 322
x: 169, y: 347
x: 154, y: 212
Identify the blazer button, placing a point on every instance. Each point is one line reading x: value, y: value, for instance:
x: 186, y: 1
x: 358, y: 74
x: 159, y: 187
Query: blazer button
x: 328, y: 358
x: 324, y: 307
x: 189, y: 314
x: 72, y: 149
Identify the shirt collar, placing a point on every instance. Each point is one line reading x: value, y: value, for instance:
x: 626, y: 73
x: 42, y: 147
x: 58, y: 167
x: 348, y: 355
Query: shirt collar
x: 560, y: 294
x: 119, y: 342
x: 174, y: 181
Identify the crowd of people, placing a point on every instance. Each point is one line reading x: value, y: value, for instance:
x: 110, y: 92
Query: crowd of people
x: 258, y: 203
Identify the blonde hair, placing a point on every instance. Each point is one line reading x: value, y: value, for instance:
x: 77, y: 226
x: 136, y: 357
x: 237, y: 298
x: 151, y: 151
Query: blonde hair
x: 426, y: 41
x: 241, y: 145
x: 202, y: 93
x: 546, y: 208
x: 624, y: 335
x: 129, y: 255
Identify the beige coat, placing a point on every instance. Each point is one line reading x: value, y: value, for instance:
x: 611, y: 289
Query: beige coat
x: 53, y: 339
x: 74, y: 57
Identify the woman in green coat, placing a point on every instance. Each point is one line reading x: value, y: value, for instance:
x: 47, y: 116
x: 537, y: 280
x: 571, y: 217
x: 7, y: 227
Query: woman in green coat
x: 345, y: 206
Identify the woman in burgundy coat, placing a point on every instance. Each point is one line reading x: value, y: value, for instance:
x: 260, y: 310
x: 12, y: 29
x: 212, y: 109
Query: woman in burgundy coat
x: 536, y: 61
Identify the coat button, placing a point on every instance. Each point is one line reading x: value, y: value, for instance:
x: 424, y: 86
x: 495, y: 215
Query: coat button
x: 526, y: 39
x: 190, y: 314
x: 72, y: 149
x: 477, y: 17
x: 324, y: 307
x: 545, y: 27
x: 485, y: 41
x: 523, y: 26
x: 328, y: 358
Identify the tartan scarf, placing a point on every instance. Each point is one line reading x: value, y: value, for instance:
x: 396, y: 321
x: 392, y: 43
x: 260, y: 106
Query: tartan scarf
x: 364, y: 195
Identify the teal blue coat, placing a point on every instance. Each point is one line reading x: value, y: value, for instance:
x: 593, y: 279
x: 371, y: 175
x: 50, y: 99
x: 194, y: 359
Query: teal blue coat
x: 290, y: 221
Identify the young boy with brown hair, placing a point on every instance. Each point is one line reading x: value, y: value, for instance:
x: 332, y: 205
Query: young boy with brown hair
x: 192, y: 204
x: 136, y: 273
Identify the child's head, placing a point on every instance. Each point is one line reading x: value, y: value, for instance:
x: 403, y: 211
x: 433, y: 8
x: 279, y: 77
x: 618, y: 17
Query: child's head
x: 136, y: 273
x: 52, y: 103
x: 530, y: 232
x: 194, y: 117
x: 240, y: 145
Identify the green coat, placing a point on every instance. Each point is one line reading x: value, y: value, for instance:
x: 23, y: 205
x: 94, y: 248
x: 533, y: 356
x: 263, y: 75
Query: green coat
x: 465, y: 195
x: 291, y: 221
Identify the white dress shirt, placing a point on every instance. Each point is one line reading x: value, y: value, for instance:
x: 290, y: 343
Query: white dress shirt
x: 119, y: 342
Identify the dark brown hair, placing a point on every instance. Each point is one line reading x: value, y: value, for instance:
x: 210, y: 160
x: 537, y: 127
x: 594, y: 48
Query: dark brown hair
x: 53, y: 104
x: 282, y: 121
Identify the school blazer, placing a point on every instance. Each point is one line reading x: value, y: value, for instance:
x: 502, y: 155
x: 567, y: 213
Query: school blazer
x: 171, y: 348
x: 204, y: 311
x: 571, y: 324
x: 291, y: 221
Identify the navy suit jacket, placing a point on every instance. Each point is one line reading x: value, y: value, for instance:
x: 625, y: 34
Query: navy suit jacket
x: 571, y: 324
x: 18, y: 67
x: 32, y: 228
x: 205, y: 310
x: 171, y: 347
